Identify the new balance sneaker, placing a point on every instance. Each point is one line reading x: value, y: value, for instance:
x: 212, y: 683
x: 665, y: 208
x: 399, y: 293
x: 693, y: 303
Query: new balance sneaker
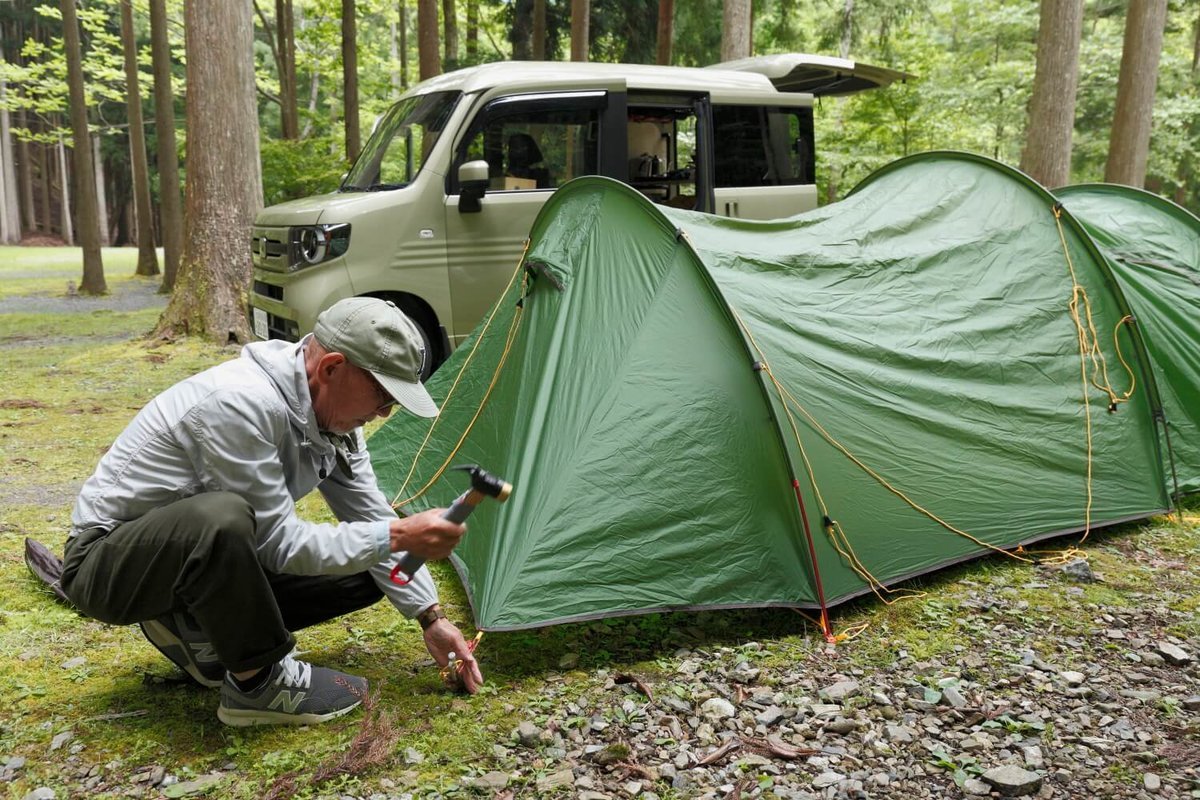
x: 294, y: 693
x: 180, y: 640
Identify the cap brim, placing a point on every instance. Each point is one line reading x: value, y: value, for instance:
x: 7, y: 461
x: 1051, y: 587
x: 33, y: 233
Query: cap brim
x: 412, y: 396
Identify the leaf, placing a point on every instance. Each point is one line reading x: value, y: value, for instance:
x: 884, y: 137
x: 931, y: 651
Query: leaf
x: 641, y: 687
x: 719, y: 753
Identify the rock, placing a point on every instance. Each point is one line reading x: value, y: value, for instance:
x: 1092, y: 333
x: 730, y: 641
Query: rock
x: 1072, y: 678
x: 492, y: 781
x: 901, y: 734
x: 590, y: 795
x: 1173, y: 653
x: 60, y: 739
x: 413, y: 756
x: 1192, y: 703
x: 74, y: 663
x: 839, y: 691
x: 1033, y: 756
x: 528, y: 733
x: 976, y: 788
x: 569, y: 661
x: 1012, y: 781
x: 1079, y: 570
x: 201, y: 785
x: 631, y: 788
x: 611, y: 754
x: 717, y: 708
x: 828, y: 778
x: 953, y: 697
x: 555, y: 780
x: 769, y: 716
x: 41, y: 793
x: 15, y: 763
x: 1152, y: 782
x: 841, y: 726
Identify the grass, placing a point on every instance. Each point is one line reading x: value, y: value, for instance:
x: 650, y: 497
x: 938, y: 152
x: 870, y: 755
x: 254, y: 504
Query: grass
x: 72, y: 381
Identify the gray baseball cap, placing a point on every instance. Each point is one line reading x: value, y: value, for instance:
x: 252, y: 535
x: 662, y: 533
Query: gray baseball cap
x: 375, y: 335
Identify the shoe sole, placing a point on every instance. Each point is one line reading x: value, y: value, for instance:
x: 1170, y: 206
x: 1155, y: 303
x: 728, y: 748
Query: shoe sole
x: 245, y: 717
x: 156, y: 632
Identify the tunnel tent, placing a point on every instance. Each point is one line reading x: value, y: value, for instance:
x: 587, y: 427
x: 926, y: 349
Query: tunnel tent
x: 1153, y: 248
x: 703, y: 412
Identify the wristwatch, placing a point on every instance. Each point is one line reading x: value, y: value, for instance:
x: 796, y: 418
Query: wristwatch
x: 430, y: 616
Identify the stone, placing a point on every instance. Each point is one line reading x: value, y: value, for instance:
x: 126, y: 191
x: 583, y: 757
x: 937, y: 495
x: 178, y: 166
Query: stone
x: 1192, y: 703
x: 976, y: 788
x: 492, y: 781
x: 1079, y: 570
x: 1012, y: 781
x: 528, y: 733
x: 1072, y: 678
x: 591, y: 795
x: 74, y: 663
x: 769, y: 716
x: 841, y: 726
x: 413, y: 756
x: 555, y: 780
x: 202, y: 785
x: 1152, y: 782
x: 631, y: 788
x: 828, y: 778
x: 953, y: 697
x: 41, y: 793
x: 60, y: 739
x: 717, y: 708
x: 15, y: 763
x: 839, y: 691
x: 1033, y: 756
x: 1173, y: 653
x: 901, y: 734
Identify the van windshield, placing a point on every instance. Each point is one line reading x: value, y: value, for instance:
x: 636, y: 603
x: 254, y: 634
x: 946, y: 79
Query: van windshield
x: 401, y: 142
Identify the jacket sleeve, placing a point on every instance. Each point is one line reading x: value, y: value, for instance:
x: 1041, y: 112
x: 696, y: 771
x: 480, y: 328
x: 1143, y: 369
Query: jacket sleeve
x: 358, y: 497
x: 234, y: 438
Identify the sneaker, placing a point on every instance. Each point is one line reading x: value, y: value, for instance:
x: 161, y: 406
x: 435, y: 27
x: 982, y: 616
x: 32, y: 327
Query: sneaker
x: 294, y: 693
x: 180, y: 640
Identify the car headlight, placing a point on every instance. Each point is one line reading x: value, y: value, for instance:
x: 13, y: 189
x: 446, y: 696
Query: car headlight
x: 315, y: 244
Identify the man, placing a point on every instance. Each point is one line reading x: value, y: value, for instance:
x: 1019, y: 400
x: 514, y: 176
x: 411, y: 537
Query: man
x: 189, y: 525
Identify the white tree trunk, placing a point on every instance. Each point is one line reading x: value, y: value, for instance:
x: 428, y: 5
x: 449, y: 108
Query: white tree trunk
x: 735, y: 33
x: 68, y: 232
x: 10, y: 214
x: 101, y: 201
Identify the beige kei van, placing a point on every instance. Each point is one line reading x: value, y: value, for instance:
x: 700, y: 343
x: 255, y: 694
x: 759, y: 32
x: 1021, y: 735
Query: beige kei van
x: 434, y: 213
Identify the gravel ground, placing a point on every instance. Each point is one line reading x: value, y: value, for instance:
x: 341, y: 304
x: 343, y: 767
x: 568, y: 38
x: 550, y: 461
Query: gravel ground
x: 126, y: 295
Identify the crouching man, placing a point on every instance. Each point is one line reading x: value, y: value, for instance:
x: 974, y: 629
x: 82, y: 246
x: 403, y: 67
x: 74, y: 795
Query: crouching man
x: 189, y: 526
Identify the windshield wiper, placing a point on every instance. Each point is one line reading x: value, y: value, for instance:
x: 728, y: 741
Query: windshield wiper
x: 384, y: 187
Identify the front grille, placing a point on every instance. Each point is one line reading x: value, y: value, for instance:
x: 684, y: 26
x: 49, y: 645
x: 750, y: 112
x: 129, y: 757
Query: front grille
x: 263, y: 289
x: 269, y: 249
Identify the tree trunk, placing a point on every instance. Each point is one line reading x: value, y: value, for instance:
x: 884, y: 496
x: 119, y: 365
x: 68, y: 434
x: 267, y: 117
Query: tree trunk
x: 580, y: 11
x: 167, y: 157
x: 44, y: 169
x: 1047, y: 155
x: 847, y: 29
x: 25, y: 168
x: 472, y: 30
x: 64, y: 204
x: 521, y: 34
x: 224, y: 183
x: 85, y: 186
x: 11, y: 220
x: 350, y: 79
x: 394, y: 45
x: 427, y: 39
x: 450, y: 27
x: 735, y: 32
x: 539, y: 30
x: 1129, y: 145
x: 666, y: 30
x: 101, y: 200
x: 147, y: 263
x: 404, y: 28
x: 286, y: 36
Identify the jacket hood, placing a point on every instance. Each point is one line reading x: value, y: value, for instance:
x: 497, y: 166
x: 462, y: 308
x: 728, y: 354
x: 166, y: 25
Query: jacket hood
x: 283, y: 363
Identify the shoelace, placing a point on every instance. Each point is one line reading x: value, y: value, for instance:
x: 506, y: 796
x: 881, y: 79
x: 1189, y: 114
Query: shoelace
x: 294, y: 673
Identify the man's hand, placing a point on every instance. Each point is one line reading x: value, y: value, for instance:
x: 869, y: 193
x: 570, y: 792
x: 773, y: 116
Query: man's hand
x: 427, y: 534
x: 443, y: 638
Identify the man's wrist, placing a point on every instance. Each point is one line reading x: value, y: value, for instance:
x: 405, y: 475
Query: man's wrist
x: 429, y: 616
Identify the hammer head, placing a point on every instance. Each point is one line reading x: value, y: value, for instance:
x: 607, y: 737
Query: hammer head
x: 485, y: 483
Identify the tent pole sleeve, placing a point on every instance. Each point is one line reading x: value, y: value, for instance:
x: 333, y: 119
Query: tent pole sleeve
x: 1166, y: 429
x: 826, y: 629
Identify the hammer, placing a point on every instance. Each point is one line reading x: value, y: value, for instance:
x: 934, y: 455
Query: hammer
x: 482, y: 485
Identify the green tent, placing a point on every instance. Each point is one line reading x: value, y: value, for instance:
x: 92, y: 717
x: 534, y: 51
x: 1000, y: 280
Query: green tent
x: 704, y: 412
x: 1153, y: 249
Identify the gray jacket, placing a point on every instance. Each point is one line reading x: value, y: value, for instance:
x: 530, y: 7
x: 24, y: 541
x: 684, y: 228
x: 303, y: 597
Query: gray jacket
x: 247, y: 426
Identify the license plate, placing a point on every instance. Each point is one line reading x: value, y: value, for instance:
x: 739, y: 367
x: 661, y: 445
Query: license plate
x: 260, y: 323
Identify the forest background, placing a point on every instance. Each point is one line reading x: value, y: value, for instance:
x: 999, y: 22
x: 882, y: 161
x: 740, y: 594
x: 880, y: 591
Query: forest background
x: 973, y: 64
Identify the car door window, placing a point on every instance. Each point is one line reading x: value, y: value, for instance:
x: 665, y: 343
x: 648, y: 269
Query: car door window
x: 762, y: 146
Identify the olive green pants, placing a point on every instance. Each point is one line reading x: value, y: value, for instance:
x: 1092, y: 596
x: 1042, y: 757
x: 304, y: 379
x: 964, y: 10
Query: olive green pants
x: 197, y: 556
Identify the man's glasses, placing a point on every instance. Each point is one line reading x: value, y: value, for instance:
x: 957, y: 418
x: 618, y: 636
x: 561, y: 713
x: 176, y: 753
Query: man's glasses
x: 383, y: 398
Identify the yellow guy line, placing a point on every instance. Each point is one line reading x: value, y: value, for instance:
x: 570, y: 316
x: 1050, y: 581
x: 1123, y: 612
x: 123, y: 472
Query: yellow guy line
x: 396, y: 502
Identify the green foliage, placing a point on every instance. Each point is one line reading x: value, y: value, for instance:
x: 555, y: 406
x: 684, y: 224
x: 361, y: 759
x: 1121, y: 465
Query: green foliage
x: 294, y: 169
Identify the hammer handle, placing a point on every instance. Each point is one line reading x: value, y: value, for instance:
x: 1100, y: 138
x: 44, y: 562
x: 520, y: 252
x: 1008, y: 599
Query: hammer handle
x: 458, y: 512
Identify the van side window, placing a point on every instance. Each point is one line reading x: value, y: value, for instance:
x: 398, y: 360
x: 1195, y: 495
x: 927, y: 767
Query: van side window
x: 762, y: 146
x: 662, y: 151
x: 536, y: 149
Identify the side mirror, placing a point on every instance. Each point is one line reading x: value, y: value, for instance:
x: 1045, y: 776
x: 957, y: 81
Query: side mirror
x: 472, y: 186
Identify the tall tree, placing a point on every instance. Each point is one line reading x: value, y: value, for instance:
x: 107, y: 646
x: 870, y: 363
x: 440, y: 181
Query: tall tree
x: 472, y: 30
x: 580, y: 11
x: 147, y: 263
x: 224, y: 183
x: 450, y: 27
x: 1129, y: 144
x: 86, y: 208
x: 285, y: 30
x: 539, y: 30
x: 1047, y: 155
x: 399, y: 49
x: 735, y: 32
x: 427, y: 39
x: 10, y: 213
x: 350, y: 78
x: 170, y: 219
x: 666, y: 30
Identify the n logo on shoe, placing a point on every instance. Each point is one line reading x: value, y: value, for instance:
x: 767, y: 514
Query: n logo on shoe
x: 287, y: 701
x: 203, y: 652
